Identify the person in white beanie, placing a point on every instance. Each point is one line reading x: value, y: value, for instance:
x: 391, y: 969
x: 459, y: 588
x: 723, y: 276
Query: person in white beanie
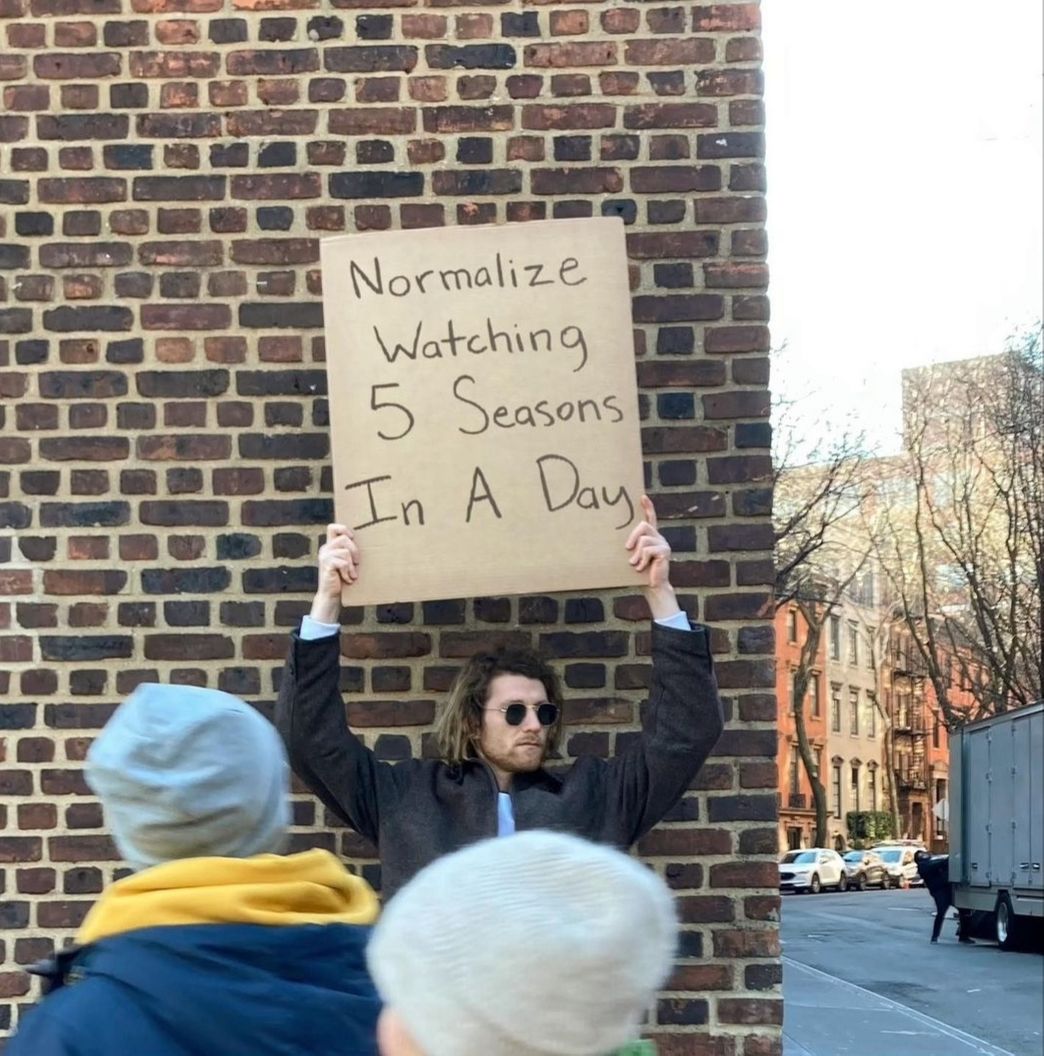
x: 542, y: 945
x: 215, y: 943
x: 498, y: 728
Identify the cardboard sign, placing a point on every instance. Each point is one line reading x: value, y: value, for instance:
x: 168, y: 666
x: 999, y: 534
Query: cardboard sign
x: 483, y: 406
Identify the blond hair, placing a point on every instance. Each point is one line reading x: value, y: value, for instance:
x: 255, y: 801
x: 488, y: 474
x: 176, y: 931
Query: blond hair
x: 458, y: 728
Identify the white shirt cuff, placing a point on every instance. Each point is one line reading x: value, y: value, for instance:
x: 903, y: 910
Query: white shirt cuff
x: 679, y: 621
x: 313, y: 629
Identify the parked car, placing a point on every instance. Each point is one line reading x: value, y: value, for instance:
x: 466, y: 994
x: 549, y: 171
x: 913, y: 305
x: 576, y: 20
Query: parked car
x: 899, y: 861
x: 812, y: 870
x: 865, y: 869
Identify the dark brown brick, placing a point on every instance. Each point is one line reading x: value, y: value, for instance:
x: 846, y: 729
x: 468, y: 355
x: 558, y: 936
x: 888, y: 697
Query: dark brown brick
x: 73, y: 66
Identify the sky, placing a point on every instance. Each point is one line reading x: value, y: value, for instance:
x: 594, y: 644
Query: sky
x: 904, y: 155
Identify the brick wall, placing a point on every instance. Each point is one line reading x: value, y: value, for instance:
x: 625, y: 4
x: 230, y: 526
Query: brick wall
x: 166, y: 170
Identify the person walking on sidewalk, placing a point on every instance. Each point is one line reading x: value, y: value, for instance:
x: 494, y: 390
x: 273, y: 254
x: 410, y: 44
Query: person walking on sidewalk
x: 502, y: 721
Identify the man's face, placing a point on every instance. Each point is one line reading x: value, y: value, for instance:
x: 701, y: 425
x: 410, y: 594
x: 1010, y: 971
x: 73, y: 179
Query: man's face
x: 513, y: 749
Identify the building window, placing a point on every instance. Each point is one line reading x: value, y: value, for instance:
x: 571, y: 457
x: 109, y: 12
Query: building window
x: 869, y: 644
x: 853, y: 712
x: 835, y: 708
x: 871, y: 715
x: 813, y: 690
x: 853, y: 643
x: 795, y: 786
x: 792, y: 625
x: 835, y: 789
x: 902, y: 710
x: 940, y: 797
x: 835, y: 637
x: 817, y: 755
x: 793, y: 692
x: 936, y: 733
x: 871, y: 786
x: 854, y: 797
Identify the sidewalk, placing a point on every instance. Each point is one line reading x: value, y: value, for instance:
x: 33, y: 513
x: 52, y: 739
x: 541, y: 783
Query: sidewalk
x: 826, y: 1016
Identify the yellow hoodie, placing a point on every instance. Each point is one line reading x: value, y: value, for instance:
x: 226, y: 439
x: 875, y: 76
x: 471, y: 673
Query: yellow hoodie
x: 308, y: 888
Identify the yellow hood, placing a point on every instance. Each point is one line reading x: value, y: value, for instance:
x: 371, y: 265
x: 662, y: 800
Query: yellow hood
x: 308, y: 888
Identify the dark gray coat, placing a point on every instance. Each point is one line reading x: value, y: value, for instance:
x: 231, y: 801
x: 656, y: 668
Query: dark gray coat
x: 418, y: 809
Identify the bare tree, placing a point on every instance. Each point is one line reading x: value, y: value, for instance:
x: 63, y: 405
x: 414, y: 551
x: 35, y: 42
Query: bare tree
x: 961, y: 530
x: 809, y: 499
x: 813, y: 566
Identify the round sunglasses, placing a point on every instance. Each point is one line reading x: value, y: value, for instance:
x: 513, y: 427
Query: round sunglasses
x: 515, y: 712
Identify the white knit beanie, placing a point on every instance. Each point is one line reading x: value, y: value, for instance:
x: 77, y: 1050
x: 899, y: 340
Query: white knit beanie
x: 184, y: 772
x: 537, y: 944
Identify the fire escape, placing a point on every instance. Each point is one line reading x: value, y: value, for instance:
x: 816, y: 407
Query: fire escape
x: 909, y: 735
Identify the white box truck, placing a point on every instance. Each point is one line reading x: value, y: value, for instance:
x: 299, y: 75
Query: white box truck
x: 997, y: 820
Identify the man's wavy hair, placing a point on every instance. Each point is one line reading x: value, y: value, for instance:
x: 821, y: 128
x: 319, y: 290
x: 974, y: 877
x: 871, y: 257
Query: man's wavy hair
x: 459, y: 726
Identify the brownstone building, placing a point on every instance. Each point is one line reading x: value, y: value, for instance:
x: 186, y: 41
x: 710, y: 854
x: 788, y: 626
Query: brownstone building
x: 167, y: 168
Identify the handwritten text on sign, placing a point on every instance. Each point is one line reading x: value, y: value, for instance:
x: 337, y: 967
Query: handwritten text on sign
x: 483, y: 407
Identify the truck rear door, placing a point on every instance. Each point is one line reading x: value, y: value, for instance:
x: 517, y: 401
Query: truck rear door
x: 976, y: 821
x: 1002, y: 803
x: 1028, y: 734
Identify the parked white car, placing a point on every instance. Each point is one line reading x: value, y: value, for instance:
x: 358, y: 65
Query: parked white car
x: 812, y: 870
x: 899, y: 861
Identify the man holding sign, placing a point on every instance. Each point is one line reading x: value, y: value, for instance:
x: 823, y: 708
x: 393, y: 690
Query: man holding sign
x: 501, y: 722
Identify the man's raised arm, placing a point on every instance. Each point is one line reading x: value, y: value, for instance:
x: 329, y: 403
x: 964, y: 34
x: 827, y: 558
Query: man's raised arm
x: 684, y: 718
x: 309, y: 712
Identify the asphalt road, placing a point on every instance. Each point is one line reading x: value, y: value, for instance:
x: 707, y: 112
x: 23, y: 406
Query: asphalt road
x: 861, y: 963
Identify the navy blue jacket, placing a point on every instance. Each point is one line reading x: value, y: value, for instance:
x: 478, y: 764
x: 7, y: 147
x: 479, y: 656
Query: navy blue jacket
x: 209, y: 989
x: 935, y: 874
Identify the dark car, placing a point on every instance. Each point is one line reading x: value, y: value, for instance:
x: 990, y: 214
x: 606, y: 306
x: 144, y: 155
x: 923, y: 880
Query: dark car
x: 865, y: 869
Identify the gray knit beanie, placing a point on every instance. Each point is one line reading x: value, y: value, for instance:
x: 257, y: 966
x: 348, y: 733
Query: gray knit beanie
x: 184, y: 772
x: 537, y: 944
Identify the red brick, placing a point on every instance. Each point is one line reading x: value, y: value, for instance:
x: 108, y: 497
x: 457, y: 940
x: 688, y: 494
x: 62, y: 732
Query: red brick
x: 374, y: 121
x: 27, y: 97
x: 690, y: 51
x: 473, y: 26
x: 762, y: 942
x: 69, y: 66
x: 177, y: 31
x: 744, y: 874
x: 700, y: 977
x: 567, y: 116
x: 569, y: 23
x: 577, y: 53
x: 730, y: 18
x: 669, y: 841
x: 743, y: 49
x: 750, y: 1011
x: 426, y: 27
x: 620, y: 20
x: 705, y: 909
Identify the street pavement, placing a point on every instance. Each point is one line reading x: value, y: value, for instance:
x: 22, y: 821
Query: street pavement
x: 860, y: 978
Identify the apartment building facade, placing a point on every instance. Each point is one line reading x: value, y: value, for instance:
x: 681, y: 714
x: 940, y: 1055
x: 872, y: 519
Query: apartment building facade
x: 875, y: 729
x: 855, y: 780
